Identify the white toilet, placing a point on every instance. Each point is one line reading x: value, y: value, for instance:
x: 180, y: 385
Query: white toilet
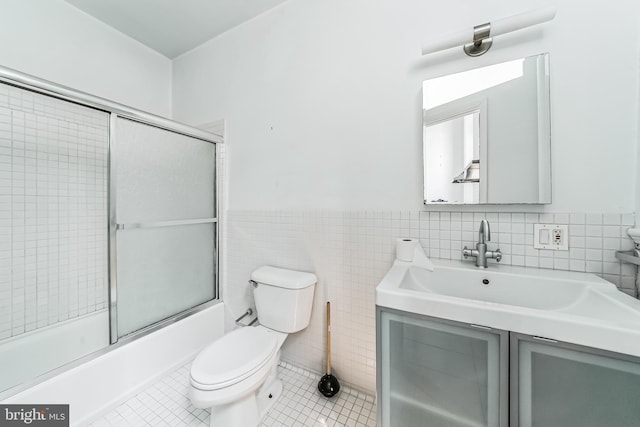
x: 235, y: 375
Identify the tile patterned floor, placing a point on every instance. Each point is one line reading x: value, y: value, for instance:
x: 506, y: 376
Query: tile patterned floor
x: 165, y: 403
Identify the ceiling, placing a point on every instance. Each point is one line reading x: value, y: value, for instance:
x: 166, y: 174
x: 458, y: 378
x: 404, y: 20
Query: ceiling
x: 173, y: 27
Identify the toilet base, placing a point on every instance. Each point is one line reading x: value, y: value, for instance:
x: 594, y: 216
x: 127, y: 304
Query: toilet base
x: 250, y: 410
x: 267, y: 396
x: 241, y: 413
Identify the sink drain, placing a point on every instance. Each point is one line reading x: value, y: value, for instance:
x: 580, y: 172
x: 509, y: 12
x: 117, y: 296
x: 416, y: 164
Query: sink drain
x: 485, y: 281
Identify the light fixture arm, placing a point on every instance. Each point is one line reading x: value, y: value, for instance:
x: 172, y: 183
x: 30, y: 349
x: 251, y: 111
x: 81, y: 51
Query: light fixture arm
x: 482, y: 40
x: 483, y: 34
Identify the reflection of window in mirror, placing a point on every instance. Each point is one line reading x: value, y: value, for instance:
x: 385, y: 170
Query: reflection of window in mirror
x: 442, y: 90
x: 486, y: 135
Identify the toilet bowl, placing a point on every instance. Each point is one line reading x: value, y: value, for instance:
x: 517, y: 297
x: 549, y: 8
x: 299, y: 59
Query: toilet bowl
x: 236, y: 375
x: 227, y: 373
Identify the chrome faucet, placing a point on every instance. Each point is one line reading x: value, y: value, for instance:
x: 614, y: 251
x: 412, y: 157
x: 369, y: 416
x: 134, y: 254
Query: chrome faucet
x: 480, y: 252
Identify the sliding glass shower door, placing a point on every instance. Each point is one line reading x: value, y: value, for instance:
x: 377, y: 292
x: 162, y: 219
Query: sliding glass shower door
x: 107, y: 225
x: 53, y: 233
x: 164, y: 223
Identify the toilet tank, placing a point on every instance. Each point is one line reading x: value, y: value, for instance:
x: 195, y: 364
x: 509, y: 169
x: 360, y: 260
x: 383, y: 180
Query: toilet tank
x: 283, y: 298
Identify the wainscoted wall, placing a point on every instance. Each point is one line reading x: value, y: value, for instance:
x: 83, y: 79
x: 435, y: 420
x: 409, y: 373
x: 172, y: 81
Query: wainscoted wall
x: 350, y: 251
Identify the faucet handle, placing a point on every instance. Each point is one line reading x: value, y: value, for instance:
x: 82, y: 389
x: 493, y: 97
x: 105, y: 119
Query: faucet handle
x: 466, y: 252
x: 497, y: 255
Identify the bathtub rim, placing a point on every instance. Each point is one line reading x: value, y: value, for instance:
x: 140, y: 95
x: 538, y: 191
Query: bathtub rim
x: 134, y: 336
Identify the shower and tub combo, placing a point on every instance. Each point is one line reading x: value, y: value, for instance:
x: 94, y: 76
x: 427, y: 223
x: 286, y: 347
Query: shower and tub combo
x: 109, y: 233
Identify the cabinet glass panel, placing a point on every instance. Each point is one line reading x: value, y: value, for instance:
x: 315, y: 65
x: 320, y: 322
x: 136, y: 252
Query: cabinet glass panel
x: 438, y: 373
x: 163, y: 271
x: 563, y: 385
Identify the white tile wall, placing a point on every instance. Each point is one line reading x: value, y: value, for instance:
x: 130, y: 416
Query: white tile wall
x: 351, y: 251
x: 53, y: 210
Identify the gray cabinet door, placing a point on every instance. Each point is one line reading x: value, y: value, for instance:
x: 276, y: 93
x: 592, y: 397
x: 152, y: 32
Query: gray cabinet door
x: 438, y: 373
x: 557, y: 384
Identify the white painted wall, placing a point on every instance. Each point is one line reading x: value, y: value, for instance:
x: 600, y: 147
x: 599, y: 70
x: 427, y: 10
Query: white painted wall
x: 322, y: 105
x: 322, y: 99
x: 637, y: 168
x: 52, y: 40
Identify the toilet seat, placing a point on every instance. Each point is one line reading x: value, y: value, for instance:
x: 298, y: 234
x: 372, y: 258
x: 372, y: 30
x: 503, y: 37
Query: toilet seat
x: 233, y: 358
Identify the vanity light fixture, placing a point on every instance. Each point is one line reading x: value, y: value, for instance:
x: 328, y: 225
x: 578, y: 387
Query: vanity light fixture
x: 483, y: 34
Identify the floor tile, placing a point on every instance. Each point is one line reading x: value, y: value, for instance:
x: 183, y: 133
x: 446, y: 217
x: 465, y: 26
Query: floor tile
x: 166, y: 403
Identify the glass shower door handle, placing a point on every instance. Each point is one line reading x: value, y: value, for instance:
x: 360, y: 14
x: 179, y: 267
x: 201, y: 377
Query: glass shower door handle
x: 157, y: 224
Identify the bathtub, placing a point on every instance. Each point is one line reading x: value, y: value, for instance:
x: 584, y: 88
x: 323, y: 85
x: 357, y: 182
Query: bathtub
x: 62, y: 343
x: 96, y: 386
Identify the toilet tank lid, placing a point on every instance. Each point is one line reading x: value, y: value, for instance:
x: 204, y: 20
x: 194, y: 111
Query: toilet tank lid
x: 283, y: 278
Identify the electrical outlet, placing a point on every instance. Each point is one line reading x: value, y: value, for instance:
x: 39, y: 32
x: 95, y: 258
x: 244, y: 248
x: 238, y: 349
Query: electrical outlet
x: 551, y: 236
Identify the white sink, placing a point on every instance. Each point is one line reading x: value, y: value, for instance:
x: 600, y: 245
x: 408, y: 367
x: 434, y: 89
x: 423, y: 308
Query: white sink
x: 513, y: 288
x: 575, y: 307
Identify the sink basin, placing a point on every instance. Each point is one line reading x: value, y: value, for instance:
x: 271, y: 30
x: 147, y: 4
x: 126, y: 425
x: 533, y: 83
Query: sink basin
x: 567, y: 306
x: 510, y: 288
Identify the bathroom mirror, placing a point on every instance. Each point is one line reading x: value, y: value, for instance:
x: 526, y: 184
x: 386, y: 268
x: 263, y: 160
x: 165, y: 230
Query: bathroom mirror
x: 486, y: 135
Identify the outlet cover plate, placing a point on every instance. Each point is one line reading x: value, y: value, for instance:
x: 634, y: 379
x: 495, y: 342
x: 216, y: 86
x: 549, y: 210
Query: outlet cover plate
x: 551, y: 236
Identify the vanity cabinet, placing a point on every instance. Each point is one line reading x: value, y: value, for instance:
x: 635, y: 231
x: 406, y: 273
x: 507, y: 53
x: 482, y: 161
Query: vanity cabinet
x: 437, y: 373
x: 440, y: 373
x: 565, y: 385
